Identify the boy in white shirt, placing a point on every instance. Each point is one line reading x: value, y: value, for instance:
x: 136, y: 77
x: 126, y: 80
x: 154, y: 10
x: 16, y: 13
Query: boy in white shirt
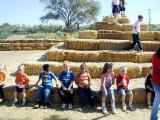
x: 135, y: 34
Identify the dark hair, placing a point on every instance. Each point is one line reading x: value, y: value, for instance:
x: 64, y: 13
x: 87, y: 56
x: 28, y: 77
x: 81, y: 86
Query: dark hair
x: 106, y: 67
x: 158, y: 53
x: 46, y: 67
x: 140, y: 17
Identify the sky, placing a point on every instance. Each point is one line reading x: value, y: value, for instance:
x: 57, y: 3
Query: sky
x: 28, y: 12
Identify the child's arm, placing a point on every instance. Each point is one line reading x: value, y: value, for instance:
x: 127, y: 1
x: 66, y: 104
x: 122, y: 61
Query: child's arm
x: 151, y: 89
x: 89, y: 78
x: 37, y: 82
x: 3, y: 81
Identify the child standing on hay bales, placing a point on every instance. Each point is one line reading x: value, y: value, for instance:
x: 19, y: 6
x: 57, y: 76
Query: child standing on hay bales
x: 22, y: 84
x: 156, y: 84
x: 107, y: 81
x: 122, y: 8
x: 83, y: 81
x: 115, y: 10
x: 123, y: 88
x: 66, y: 91
x: 136, y: 33
x: 45, y: 89
x: 149, y: 89
x: 2, y: 80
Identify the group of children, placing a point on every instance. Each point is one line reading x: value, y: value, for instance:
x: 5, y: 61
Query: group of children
x: 82, y: 80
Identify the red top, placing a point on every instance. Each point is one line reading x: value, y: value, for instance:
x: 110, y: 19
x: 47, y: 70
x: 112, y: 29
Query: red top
x: 156, y: 69
x: 22, y: 79
x: 122, y: 79
x: 122, y: 2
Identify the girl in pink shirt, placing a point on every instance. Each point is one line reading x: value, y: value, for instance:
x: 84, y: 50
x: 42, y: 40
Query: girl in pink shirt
x: 107, y: 80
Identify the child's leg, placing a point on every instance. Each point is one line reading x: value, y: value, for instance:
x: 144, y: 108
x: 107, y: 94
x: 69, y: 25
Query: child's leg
x: 134, y: 42
x: 24, y: 96
x: 1, y: 92
x: 90, y: 96
x: 47, y: 91
x: 112, y: 99
x: 104, y: 96
x: 39, y: 94
x: 62, y: 95
x: 130, y: 97
x: 81, y: 94
x: 149, y: 95
x: 70, y: 96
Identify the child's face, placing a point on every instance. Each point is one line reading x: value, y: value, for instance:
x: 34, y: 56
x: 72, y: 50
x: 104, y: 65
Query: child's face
x: 66, y: 67
x: 140, y: 20
x: 123, y: 72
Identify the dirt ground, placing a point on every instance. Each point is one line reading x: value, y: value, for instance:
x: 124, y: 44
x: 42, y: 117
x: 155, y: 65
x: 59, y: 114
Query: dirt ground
x: 14, y: 58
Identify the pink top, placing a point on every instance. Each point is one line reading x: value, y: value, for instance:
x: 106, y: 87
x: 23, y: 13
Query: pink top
x: 107, y: 78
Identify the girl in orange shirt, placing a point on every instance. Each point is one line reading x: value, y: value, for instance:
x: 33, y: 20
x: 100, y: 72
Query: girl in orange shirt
x: 2, y: 80
x: 83, y: 81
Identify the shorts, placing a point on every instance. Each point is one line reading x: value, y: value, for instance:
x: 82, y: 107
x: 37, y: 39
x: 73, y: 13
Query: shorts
x: 21, y: 90
x: 149, y: 91
x: 124, y: 91
x: 115, y: 9
x: 122, y: 8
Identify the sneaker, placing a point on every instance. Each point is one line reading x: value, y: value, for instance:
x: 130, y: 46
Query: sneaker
x: 23, y: 103
x: 1, y: 100
x: 114, y: 111
x: 47, y: 105
x: 15, y: 102
x: 70, y: 106
x: 63, y: 106
x: 124, y: 107
x: 140, y: 50
x: 104, y: 110
x: 131, y: 107
x: 36, y: 106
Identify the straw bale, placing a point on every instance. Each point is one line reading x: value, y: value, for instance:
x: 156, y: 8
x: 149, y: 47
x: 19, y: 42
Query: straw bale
x: 157, y: 35
x: 147, y: 36
x: 123, y: 20
x: 88, y: 34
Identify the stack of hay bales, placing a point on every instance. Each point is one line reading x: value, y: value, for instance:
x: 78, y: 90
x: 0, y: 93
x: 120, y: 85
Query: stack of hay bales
x: 109, y: 34
x: 88, y: 34
x: 108, y: 19
x: 147, y: 35
x: 129, y: 27
x: 108, y: 26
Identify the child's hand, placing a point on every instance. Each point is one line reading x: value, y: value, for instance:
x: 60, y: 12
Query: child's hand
x: 36, y: 85
x: 64, y: 88
x: 57, y: 85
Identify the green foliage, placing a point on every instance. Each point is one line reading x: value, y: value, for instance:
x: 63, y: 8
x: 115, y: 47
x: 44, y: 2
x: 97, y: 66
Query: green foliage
x: 41, y: 35
x: 154, y: 27
x: 71, y: 12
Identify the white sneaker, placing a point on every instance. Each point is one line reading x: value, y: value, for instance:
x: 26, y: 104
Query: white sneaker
x: 1, y: 100
x: 63, y: 106
x: 124, y: 107
x: 70, y: 106
x: 104, y: 110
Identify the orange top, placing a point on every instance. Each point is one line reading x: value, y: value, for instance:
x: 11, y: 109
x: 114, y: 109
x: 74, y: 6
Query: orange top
x: 22, y: 79
x: 2, y: 76
x: 83, y: 79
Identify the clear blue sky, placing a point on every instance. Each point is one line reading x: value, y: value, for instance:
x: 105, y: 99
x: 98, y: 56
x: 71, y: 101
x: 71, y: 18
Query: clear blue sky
x: 29, y: 11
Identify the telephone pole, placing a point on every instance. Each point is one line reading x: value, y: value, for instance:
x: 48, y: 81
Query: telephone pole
x: 149, y: 13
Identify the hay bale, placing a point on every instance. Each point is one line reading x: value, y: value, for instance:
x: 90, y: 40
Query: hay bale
x: 127, y: 27
x: 108, y: 26
x: 117, y: 56
x: 157, y: 35
x: 82, y: 44
x: 55, y: 55
x: 88, y: 34
x: 144, y: 27
x: 147, y: 35
x: 109, y: 19
x: 118, y: 35
x: 113, y: 44
x: 123, y: 20
x: 151, y: 45
x: 127, y: 35
x: 144, y: 57
x: 145, y: 69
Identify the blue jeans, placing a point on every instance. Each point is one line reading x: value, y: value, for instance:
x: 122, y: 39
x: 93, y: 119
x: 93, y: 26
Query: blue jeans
x: 156, y: 103
x: 43, y: 91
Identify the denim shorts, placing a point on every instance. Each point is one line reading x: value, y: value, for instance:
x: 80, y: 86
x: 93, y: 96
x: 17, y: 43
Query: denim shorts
x: 124, y: 91
x: 115, y: 9
x: 17, y: 89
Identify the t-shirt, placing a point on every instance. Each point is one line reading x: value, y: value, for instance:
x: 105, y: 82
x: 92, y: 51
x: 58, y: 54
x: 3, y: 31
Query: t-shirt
x: 2, y: 77
x: 107, y: 79
x: 115, y: 2
x: 83, y: 79
x: 22, y: 79
x: 47, y: 78
x: 66, y: 78
x: 148, y: 81
x: 125, y: 79
x: 136, y: 27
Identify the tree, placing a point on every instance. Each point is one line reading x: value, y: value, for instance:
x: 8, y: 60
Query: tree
x: 71, y: 12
